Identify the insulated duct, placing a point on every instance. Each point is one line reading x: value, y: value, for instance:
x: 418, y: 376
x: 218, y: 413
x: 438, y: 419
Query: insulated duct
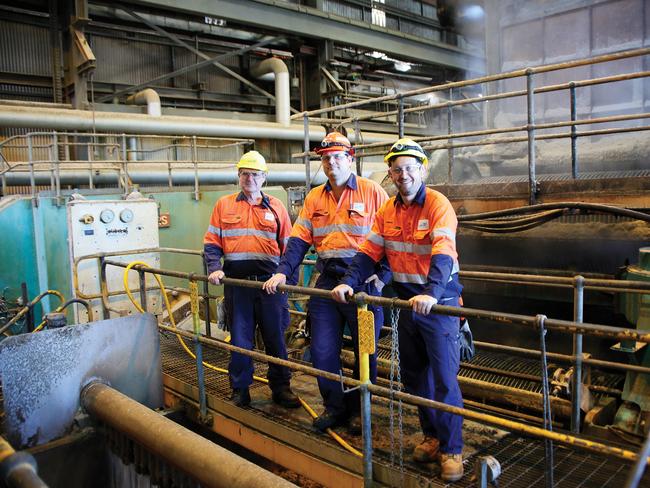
x: 282, y: 97
x: 158, y: 175
x: 82, y: 120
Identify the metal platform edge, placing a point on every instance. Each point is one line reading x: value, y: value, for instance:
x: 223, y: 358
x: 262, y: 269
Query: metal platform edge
x: 298, y: 451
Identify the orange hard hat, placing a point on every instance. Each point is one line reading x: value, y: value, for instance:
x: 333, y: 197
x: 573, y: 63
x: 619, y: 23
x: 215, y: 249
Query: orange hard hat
x: 334, y: 141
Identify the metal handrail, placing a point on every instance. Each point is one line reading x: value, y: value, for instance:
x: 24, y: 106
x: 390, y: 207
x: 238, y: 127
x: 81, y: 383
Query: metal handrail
x: 485, y: 79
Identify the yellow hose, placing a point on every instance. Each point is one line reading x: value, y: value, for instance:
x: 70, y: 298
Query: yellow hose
x: 305, y: 405
x: 58, y: 309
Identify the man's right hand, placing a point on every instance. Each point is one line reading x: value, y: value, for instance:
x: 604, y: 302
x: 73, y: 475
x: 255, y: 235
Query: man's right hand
x: 216, y: 277
x: 341, y: 293
x: 271, y: 285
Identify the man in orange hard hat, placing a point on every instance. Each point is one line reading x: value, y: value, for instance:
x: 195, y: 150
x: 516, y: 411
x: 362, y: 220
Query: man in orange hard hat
x: 335, y: 219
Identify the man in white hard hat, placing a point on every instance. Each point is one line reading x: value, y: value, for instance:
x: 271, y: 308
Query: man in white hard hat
x: 416, y: 231
x: 249, y: 230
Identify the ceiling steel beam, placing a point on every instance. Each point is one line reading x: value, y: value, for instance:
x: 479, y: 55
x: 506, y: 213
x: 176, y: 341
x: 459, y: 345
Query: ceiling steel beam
x: 185, y: 69
x: 315, y: 24
x: 179, y: 42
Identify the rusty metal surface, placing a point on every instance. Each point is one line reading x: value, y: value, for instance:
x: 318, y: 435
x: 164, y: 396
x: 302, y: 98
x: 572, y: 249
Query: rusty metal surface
x: 210, y: 464
x: 43, y: 373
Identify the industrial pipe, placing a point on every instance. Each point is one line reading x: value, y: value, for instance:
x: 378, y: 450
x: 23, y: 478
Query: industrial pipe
x: 280, y: 72
x: 18, y: 469
x: 151, y: 99
x: 211, y: 465
x: 153, y: 174
x: 83, y: 120
x: 147, y: 97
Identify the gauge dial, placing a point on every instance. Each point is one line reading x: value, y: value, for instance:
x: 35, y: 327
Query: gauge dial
x: 126, y: 215
x: 107, y: 216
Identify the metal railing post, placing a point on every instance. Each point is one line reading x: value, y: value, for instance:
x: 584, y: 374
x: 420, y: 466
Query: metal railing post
x: 143, y: 289
x: 169, y: 171
x: 91, y: 158
x: 576, y: 387
x: 548, y: 421
x: 206, y: 300
x: 102, y: 284
x: 450, y: 129
x: 196, y: 169
x: 530, y: 102
x: 305, y: 157
x: 125, y: 167
x: 357, y: 139
x: 574, y: 137
x: 32, y: 179
x: 57, y: 167
x: 366, y: 332
x: 400, y: 116
x: 198, y: 348
x: 52, y: 165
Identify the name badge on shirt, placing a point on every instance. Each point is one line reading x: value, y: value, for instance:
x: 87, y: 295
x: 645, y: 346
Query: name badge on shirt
x: 358, y: 206
x: 269, y: 216
x: 423, y: 224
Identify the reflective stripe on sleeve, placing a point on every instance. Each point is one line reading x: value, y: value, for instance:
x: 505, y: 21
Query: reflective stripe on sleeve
x: 443, y: 232
x: 337, y: 253
x: 375, y: 239
x: 304, y: 222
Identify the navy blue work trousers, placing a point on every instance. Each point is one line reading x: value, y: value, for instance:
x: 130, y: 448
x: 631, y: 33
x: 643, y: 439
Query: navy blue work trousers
x: 328, y: 319
x: 429, y: 353
x: 245, y: 308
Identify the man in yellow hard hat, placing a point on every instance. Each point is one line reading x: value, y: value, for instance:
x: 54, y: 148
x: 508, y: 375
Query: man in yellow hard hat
x: 416, y: 231
x: 249, y: 230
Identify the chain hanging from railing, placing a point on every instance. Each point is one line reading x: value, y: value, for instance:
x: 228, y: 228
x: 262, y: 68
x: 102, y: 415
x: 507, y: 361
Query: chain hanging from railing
x: 395, y: 385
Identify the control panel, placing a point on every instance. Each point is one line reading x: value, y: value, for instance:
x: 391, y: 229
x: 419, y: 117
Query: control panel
x: 98, y: 226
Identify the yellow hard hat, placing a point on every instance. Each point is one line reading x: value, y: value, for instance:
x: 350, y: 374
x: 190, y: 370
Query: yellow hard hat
x: 406, y: 147
x: 252, y: 160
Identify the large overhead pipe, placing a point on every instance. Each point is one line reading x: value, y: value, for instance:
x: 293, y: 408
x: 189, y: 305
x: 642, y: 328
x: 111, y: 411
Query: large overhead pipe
x: 210, y: 464
x: 82, y: 120
x: 277, y: 67
x: 148, y: 174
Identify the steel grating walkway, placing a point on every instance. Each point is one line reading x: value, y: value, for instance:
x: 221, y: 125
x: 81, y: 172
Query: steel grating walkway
x: 522, y: 459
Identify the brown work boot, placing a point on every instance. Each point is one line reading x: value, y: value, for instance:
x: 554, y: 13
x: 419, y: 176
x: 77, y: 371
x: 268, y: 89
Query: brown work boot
x: 451, y: 466
x: 427, y: 450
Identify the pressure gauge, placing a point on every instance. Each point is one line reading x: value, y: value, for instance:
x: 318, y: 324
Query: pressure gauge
x: 107, y: 216
x: 126, y: 215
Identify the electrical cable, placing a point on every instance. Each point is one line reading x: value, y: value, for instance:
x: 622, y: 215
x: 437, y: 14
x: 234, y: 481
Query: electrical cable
x: 594, y: 207
x: 306, y: 406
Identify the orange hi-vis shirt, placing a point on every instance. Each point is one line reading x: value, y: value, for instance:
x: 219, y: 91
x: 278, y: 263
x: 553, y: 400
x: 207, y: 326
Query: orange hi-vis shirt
x: 337, y: 229
x: 411, y: 237
x: 250, y: 237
